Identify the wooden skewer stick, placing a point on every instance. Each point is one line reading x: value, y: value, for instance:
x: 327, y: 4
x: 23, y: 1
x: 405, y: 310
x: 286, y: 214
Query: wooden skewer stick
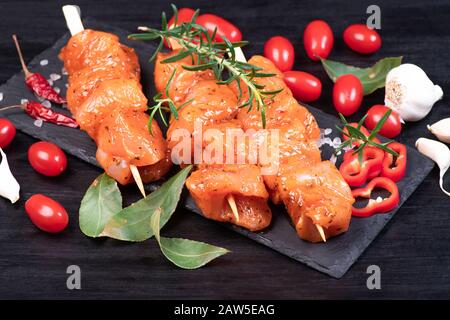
x: 232, y: 203
x: 22, y: 61
x: 321, y: 232
x: 75, y: 25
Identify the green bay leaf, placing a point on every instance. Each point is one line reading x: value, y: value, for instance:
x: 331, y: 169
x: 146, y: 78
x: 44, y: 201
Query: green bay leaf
x: 372, y: 78
x: 133, y: 222
x: 101, y: 201
x: 184, y: 253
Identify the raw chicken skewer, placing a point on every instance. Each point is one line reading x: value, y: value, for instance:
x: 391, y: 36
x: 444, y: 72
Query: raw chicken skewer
x: 241, y: 58
x: 230, y: 192
x: 90, y: 78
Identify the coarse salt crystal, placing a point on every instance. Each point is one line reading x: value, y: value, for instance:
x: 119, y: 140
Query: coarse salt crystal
x: 55, y: 76
x: 23, y: 101
x: 50, y: 82
x: 1, y: 96
x: 328, y: 141
x: 57, y: 90
x: 64, y: 71
x: 38, y: 123
x: 46, y: 104
x: 44, y: 62
x: 337, y: 142
x: 67, y: 85
x: 327, y: 131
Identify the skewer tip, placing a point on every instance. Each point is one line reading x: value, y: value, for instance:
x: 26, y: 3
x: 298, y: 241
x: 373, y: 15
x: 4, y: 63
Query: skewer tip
x: 232, y: 203
x: 321, y: 232
x: 137, y: 179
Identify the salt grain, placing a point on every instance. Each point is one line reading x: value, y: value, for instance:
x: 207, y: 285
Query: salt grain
x: 67, y: 85
x: 23, y: 101
x: 46, y: 104
x: 57, y: 90
x: 327, y: 131
x: 337, y: 142
x: 44, y: 62
x: 50, y: 82
x: 64, y: 71
x: 38, y: 123
x: 55, y: 76
x: 1, y: 96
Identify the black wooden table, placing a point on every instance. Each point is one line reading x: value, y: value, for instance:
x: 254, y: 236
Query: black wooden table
x: 413, y: 251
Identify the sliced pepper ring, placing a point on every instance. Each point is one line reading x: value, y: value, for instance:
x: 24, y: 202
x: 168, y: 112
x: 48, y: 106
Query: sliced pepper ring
x: 395, y: 168
x: 376, y: 206
x: 354, y: 173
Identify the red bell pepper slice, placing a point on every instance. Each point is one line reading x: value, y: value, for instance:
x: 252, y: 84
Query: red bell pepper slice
x: 376, y: 206
x: 363, y: 129
x: 354, y: 173
x: 394, y: 168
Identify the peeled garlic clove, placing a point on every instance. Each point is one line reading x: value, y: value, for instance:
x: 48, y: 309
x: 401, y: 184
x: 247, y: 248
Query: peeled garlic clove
x: 9, y: 188
x: 439, y: 153
x: 441, y: 130
x: 410, y: 92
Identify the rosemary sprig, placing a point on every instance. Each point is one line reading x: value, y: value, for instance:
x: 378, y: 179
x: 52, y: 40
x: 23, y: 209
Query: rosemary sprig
x: 355, y: 134
x: 164, y: 104
x: 197, y: 43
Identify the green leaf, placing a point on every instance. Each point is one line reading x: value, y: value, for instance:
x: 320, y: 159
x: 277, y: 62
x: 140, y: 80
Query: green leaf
x: 372, y: 78
x: 184, y: 253
x: 133, y: 222
x: 101, y: 201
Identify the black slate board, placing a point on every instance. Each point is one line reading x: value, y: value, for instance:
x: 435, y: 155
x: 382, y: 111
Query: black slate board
x: 333, y: 258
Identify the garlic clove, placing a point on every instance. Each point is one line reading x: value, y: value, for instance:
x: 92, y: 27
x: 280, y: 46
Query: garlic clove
x: 441, y: 130
x: 410, y: 92
x: 9, y: 188
x: 439, y: 153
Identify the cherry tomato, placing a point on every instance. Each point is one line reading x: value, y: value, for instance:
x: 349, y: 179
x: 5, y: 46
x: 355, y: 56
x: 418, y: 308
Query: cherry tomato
x: 347, y: 94
x: 362, y: 39
x: 392, y: 126
x: 47, y: 158
x: 224, y: 27
x: 281, y: 52
x: 184, y: 15
x: 304, y: 86
x: 46, y: 214
x: 318, y: 40
x: 7, y: 133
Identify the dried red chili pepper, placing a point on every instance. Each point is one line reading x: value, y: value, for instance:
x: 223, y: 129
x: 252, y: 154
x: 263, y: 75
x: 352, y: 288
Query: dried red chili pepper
x: 38, y: 111
x: 376, y: 206
x: 356, y: 174
x: 394, y: 168
x: 37, y: 82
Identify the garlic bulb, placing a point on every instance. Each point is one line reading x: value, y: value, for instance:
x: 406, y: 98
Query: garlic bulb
x: 439, y: 153
x: 410, y: 92
x: 441, y: 130
x: 9, y: 188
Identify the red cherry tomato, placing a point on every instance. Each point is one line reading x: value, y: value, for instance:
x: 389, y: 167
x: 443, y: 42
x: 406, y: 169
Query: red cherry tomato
x: 318, y: 40
x: 304, y: 86
x: 362, y: 39
x: 224, y: 27
x: 347, y: 94
x: 47, y: 214
x: 281, y: 52
x: 184, y: 15
x: 47, y: 158
x: 7, y: 133
x: 391, y: 128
